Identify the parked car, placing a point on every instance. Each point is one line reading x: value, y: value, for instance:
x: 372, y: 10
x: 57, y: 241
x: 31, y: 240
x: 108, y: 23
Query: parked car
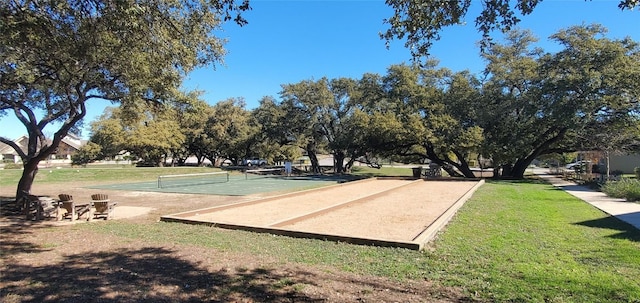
x: 576, y: 164
x: 254, y: 162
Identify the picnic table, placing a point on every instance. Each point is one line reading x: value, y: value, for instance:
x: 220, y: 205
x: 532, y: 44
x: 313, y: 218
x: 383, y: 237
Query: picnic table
x: 40, y: 207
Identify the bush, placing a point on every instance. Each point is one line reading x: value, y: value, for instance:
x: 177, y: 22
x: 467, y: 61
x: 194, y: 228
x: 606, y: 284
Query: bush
x: 629, y: 189
x: 86, y: 154
x: 617, y: 172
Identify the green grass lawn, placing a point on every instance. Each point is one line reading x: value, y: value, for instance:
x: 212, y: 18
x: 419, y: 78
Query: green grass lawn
x: 518, y: 241
x: 513, y: 241
x: 98, y: 174
x: 10, y: 177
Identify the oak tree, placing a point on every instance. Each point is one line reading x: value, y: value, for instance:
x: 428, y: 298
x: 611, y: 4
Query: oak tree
x: 229, y: 132
x: 436, y: 108
x: 536, y: 104
x: 422, y: 21
x: 58, y: 56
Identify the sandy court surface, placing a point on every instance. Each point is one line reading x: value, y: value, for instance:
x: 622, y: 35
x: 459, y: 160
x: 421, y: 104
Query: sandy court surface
x: 273, y: 211
x: 400, y: 214
x: 379, y: 209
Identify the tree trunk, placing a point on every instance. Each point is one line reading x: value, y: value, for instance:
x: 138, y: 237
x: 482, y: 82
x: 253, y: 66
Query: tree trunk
x: 449, y: 165
x: 349, y: 165
x: 506, y: 170
x: 608, y: 166
x: 338, y: 161
x: 519, y: 169
x: 496, y: 172
x: 463, y: 165
x: 38, y: 149
x: 315, y: 164
x: 465, y: 170
x: 449, y: 169
x: 29, y: 172
x: 311, y: 152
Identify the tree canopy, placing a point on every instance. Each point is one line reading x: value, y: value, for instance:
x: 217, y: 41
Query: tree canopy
x: 59, y: 55
x: 421, y: 21
x: 536, y: 103
x: 525, y: 105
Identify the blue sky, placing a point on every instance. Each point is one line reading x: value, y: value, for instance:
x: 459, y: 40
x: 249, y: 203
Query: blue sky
x: 290, y: 41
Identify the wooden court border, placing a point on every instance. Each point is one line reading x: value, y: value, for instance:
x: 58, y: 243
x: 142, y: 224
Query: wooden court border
x: 418, y: 243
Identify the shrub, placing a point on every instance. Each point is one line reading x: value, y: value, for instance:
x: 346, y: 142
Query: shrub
x: 626, y: 188
x: 86, y: 154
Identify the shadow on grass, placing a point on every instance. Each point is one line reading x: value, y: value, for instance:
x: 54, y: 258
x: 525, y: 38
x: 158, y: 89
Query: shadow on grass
x: 141, y: 275
x: 155, y: 274
x: 575, y: 187
x: 532, y: 180
x: 12, y: 226
x: 627, y: 231
x: 11, y: 246
x: 537, y: 180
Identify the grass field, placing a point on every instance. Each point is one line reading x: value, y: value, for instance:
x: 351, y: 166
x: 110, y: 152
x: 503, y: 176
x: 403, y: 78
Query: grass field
x: 99, y: 174
x: 513, y: 241
x: 10, y: 177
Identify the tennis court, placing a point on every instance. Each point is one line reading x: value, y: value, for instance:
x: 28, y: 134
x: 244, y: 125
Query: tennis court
x: 227, y: 183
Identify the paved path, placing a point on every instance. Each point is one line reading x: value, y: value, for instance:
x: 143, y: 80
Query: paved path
x: 626, y: 211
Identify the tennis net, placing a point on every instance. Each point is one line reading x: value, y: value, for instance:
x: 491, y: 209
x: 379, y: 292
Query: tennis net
x: 192, y: 179
x: 263, y: 173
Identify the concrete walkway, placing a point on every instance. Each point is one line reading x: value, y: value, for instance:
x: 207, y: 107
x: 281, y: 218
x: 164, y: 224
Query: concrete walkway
x: 626, y: 211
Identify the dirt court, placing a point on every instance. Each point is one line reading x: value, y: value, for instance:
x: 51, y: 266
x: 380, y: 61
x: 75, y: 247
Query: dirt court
x: 385, y: 212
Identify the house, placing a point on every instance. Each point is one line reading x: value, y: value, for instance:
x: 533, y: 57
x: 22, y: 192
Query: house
x: 68, y: 146
x: 626, y: 163
x: 618, y: 162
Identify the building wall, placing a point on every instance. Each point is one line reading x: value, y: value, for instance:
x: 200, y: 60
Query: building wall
x: 69, y: 145
x: 624, y: 163
x: 64, y: 151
